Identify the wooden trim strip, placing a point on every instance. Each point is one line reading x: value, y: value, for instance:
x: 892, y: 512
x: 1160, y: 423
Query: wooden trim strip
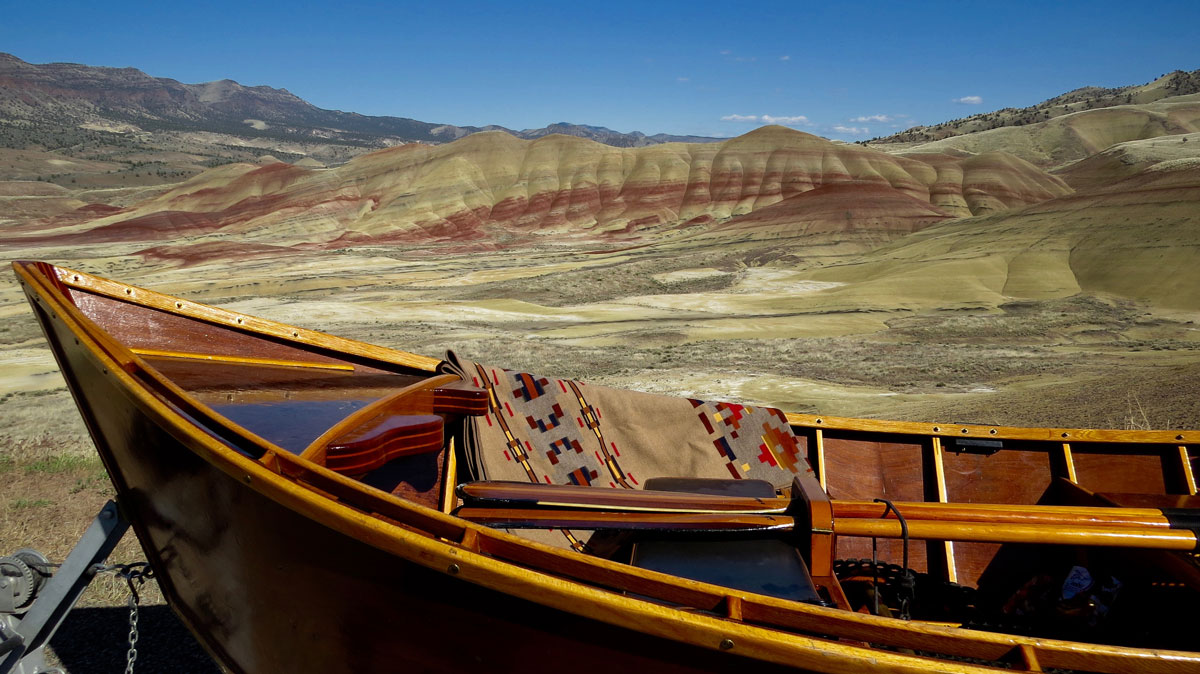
x: 242, y: 360
x: 924, y: 429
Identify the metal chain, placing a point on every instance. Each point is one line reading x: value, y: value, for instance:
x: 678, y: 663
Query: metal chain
x: 139, y: 572
x: 131, y: 655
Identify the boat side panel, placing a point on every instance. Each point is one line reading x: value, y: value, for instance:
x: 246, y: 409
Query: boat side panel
x: 140, y: 327
x: 269, y: 590
x: 863, y: 470
x: 1008, y: 476
x: 1141, y: 474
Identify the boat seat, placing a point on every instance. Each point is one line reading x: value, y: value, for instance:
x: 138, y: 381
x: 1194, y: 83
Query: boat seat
x: 409, y: 423
x: 382, y: 439
x: 767, y: 566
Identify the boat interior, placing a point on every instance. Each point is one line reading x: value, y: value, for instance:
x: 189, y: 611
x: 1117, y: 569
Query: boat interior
x: 1045, y: 534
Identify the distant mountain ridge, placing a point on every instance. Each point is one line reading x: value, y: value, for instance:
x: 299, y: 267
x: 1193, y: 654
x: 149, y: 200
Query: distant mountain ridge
x: 1176, y: 83
x: 73, y: 95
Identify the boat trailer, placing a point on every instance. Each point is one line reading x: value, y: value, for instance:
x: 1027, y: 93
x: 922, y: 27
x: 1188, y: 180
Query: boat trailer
x: 35, y: 598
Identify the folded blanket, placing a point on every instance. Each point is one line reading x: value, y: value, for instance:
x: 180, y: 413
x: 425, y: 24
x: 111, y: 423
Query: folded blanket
x: 561, y: 431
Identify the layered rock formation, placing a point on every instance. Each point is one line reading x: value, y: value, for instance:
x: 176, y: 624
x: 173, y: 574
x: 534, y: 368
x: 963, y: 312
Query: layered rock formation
x: 1077, y: 135
x: 1137, y: 238
x: 493, y: 189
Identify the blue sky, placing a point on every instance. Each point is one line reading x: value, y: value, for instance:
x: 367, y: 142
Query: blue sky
x: 847, y: 71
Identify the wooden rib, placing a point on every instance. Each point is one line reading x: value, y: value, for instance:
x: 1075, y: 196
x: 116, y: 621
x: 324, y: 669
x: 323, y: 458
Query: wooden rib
x: 1029, y: 658
x: 944, y: 550
x: 819, y: 440
x: 449, y: 501
x: 733, y: 607
x: 1062, y: 463
x: 242, y: 360
x: 1185, y: 468
x: 204, y: 312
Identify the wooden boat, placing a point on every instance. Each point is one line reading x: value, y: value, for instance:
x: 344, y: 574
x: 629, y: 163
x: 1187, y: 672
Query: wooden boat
x: 295, y: 495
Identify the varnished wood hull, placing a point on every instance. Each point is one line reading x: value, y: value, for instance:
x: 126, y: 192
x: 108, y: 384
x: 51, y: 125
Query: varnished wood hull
x: 269, y: 589
x: 273, y: 575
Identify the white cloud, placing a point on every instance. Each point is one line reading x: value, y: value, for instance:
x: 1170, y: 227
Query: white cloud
x: 745, y: 59
x: 969, y: 100
x: 791, y: 120
x: 852, y: 130
x: 794, y: 119
x: 786, y: 57
x: 873, y: 118
x: 725, y: 52
x: 683, y: 79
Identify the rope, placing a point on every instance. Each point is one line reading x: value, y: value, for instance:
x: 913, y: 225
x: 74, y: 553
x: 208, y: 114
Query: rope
x: 907, y: 584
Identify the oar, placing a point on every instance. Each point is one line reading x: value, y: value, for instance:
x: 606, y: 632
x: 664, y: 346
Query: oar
x: 528, y: 495
x: 499, y: 493
x: 591, y: 519
x: 528, y: 518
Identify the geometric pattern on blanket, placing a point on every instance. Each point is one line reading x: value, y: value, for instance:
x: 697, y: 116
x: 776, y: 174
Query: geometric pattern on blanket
x: 561, y: 431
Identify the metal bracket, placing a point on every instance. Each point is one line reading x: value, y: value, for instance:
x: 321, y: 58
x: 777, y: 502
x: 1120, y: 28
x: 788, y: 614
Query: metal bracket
x: 980, y: 446
x: 23, y: 638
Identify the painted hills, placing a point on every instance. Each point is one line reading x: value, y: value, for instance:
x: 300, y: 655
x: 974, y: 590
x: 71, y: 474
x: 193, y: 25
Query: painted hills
x: 1054, y: 257
x: 491, y: 189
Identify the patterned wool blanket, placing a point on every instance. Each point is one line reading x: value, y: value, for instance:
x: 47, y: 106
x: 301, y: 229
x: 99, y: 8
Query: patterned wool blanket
x: 561, y: 431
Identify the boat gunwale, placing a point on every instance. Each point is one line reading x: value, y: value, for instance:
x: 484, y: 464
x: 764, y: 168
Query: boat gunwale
x: 473, y: 557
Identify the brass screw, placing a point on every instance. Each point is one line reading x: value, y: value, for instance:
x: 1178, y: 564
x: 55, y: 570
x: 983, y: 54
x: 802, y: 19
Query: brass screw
x: 453, y: 569
x: 726, y: 644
